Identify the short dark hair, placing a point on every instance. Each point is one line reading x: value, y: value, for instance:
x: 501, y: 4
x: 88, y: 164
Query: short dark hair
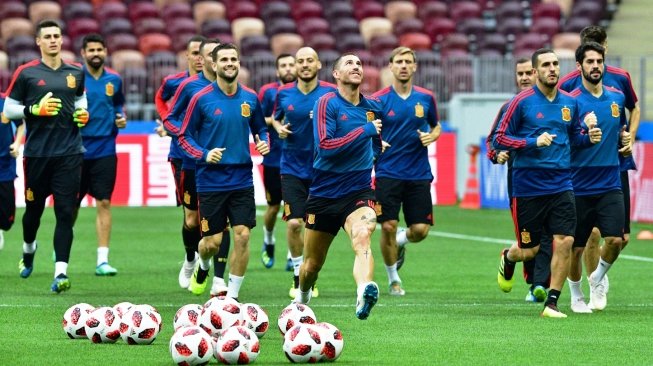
x: 522, y: 60
x: 336, y: 64
x: 283, y: 55
x: 92, y: 37
x: 46, y: 23
x: 196, y: 38
x: 589, y: 46
x: 539, y: 52
x: 223, y: 46
x: 207, y: 41
x: 593, y: 33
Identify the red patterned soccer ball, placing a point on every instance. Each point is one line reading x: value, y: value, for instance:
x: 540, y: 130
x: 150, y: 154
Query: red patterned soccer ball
x: 303, y: 343
x: 191, y: 346
x: 103, y: 325
x: 255, y: 318
x: 220, y: 313
x: 332, y: 341
x: 74, y: 320
x: 294, y: 314
x: 140, y: 325
x: 187, y: 316
x: 237, y: 345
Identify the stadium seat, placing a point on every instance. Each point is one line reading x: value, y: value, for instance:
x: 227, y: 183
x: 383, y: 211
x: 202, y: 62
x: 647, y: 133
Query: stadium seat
x: 78, y: 9
x: 400, y: 10
x: 511, y: 26
x: 460, y: 10
x: 286, y: 43
x: 546, y: 10
x: 408, y: 26
x: 438, y: 28
x: 127, y: 58
x: 149, y: 25
x: 306, y: 9
x: 416, y: 41
x: 546, y: 25
x: 5, y: 78
x: 82, y: 26
x: 587, y: 9
x: 339, y: 9
x: 142, y: 9
x: 242, y: 27
x: 121, y: 41
x: 310, y: 26
x: 160, y: 59
x: 12, y: 27
x: 280, y: 25
x: 4, y: 61
x: 492, y: 42
x: 20, y: 43
x: 275, y: 9
x: 69, y: 56
x: 181, y: 26
x: 151, y: 42
x: 509, y: 9
x: 176, y: 11
x: 430, y: 76
x: 368, y: 9
x: 344, y: 26
x: 110, y: 10
x: 251, y: 44
x: 244, y: 75
x: 367, y: 58
x: 13, y: 9
x: 454, y: 41
x: 321, y: 41
x: 135, y: 83
x: 433, y: 9
x: 40, y: 10
x: 565, y: 53
x: 116, y: 25
x: 351, y: 42
x: 382, y: 44
x: 576, y: 24
x: 564, y: 5
x: 264, y: 59
x: 262, y: 76
x: 567, y: 40
x: 370, y: 80
x: 205, y: 10
x: 19, y: 58
x: 531, y: 41
x: 374, y: 26
x: 458, y: 79
x: 242, y: 9
x: 473, y: 27
x: 215, y: 26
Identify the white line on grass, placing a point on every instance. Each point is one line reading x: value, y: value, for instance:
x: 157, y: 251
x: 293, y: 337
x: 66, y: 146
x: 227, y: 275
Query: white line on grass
x: 415, y: 305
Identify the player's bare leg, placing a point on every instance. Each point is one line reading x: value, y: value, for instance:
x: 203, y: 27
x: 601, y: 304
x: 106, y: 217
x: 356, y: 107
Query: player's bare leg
x: 316, y: 246
x: 562, y: 247
x: 360, y: 225
x: 389, y: 250
x: 103, y: 229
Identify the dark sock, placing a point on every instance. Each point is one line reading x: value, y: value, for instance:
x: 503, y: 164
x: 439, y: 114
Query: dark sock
x: 508, y: 267
x: 220, y: 259
x: 269, y: 249
x: 191, y: 238
x: 202, y: 275
x: 28, y: 259
x: 296, y: 281
x: 552, y: 299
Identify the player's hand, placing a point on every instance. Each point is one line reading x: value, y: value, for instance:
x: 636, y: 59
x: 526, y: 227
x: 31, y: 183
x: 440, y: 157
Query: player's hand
x: 626, y: 150
x: 377, y: 125
x: 47, y: 106
x: 121, y: 121
x: 283, y: 130
x: 626, y: 138
x: 159, y: 128
x: 261, y: 146
x: 384, y: 145
x: 590, y: 120
x: 215, y: 155
x: 426, y: 138
x: 595, y: 135
x: 545, y: 139
x: 503, y: 156
x: 80, y: 117
x: 14, y: 149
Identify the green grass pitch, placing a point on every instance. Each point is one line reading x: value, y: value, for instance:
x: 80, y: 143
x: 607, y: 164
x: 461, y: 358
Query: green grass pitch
x: 453, y: 312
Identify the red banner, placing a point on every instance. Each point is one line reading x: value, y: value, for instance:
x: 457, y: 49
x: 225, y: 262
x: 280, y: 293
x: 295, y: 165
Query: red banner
x: 641, y: 183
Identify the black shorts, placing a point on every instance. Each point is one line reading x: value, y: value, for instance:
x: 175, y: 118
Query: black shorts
x: 8, y: 205
x: 175, y: 165
x: 215, y: 208
x: 295, y: 194
x: 553, y: 213
x: 58, y: 176
x: 98, y: 178
x: 329, y: 214
x: 415, y: 195
x: 604, y: 211
x: 189, y: 197
x: 272, y: 183
x: 625, y: 188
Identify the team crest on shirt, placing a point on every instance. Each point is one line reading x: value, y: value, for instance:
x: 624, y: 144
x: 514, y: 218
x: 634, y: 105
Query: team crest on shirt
x: 419, y: 110
x: 370, y: 116
x: 378, y: 210
x: 109, y: 89
x: 245, y: 110
x: 187, y: 198
x: 29, y: 195
x: 71, y: 82
x: 614, y: 107
x: 204, y: 224
x: 566, y: 114
x: 525, y: 237
x: 4, y: 118
x: 310, y: 219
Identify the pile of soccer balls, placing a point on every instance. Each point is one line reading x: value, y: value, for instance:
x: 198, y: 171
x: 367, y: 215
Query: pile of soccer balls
x: 135, y: 324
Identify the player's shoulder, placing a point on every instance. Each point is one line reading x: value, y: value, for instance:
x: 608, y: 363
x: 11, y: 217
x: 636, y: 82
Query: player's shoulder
x: 383, y: 92
x: 612, y: 91
x: 28, y: 66
x: 249, y: 92
x: 266, y: 88
x: 175, y: 77
x: 617, y: 71
x: 524, y: 96
x: 73, y: 65
x: 423, y: 91
x: 286, y: 88
x: 574, y: 93
x: 569, y: 78
x: 326, y: 84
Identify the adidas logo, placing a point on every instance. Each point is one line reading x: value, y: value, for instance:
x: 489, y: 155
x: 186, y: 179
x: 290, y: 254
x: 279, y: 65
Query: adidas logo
x: 41, y: 83
x: 343, y: 117
x: 217, y: 112
x: 539, y: 115
x: 391, y: 113
x: 291, y: 108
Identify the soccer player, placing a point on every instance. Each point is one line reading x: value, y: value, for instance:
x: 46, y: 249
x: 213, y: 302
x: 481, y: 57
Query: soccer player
x: 286, y: 73
x: 164, y: 95
x: 215, y: 131
x: 189, y: 87
x: 538, y: 128
x: 596, y: 177
x: 9, y: 149
x: 403, y: 173
x: 536, y: 271
x: 346, y: 130
x: 620, y: 79
x: 49, y: 95
x: 293, y: 111
x: 105, y: 104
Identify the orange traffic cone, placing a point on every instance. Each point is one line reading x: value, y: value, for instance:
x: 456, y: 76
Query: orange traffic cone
x: 472, y: 197
x: 645, y: 235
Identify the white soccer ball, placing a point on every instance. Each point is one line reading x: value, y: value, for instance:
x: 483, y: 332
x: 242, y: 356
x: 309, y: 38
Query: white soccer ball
x: 103, y: 325
x: 74, y: 320
x: 122, y: 308
x: 294, y: 314
x: 140, y: 325
x: 155, y: 313
x: 255, y: 318
x: 332, y: 341
x: 191, y: 346
x: 187, y: 316
x: 303, y: 343
x: 237, y: 345
x: 220, y: 313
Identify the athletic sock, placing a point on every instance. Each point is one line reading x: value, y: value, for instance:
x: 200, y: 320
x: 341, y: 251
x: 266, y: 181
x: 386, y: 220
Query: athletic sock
x: 393, y: 275
x: 296, y: 263
x: 508, y: 267
x: 60, y: 268
x: 553, y: 297
x: 202, y: 274
x: 191, y: 238
x: 221, y: 258
x: 574, y: 287
x: 28, y: 253
x: 402, y: 237
x: 102, y: 255
x: 268, y: 236
x: 296, y: 281
x: 233, y: 288
x: 600, y: 270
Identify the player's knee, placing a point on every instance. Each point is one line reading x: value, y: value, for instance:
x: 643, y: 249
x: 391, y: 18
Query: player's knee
x: 295, y: 226
x: 103, y: 204
x: 418, y: 232
x: 190, y: 221
x: 311, y: 266
x: 241, y: 235
x: 389, y: 226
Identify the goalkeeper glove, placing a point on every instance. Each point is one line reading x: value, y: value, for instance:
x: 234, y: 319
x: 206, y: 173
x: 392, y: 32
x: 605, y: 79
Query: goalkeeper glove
x: 46, y: 107
x: 80, y: 117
